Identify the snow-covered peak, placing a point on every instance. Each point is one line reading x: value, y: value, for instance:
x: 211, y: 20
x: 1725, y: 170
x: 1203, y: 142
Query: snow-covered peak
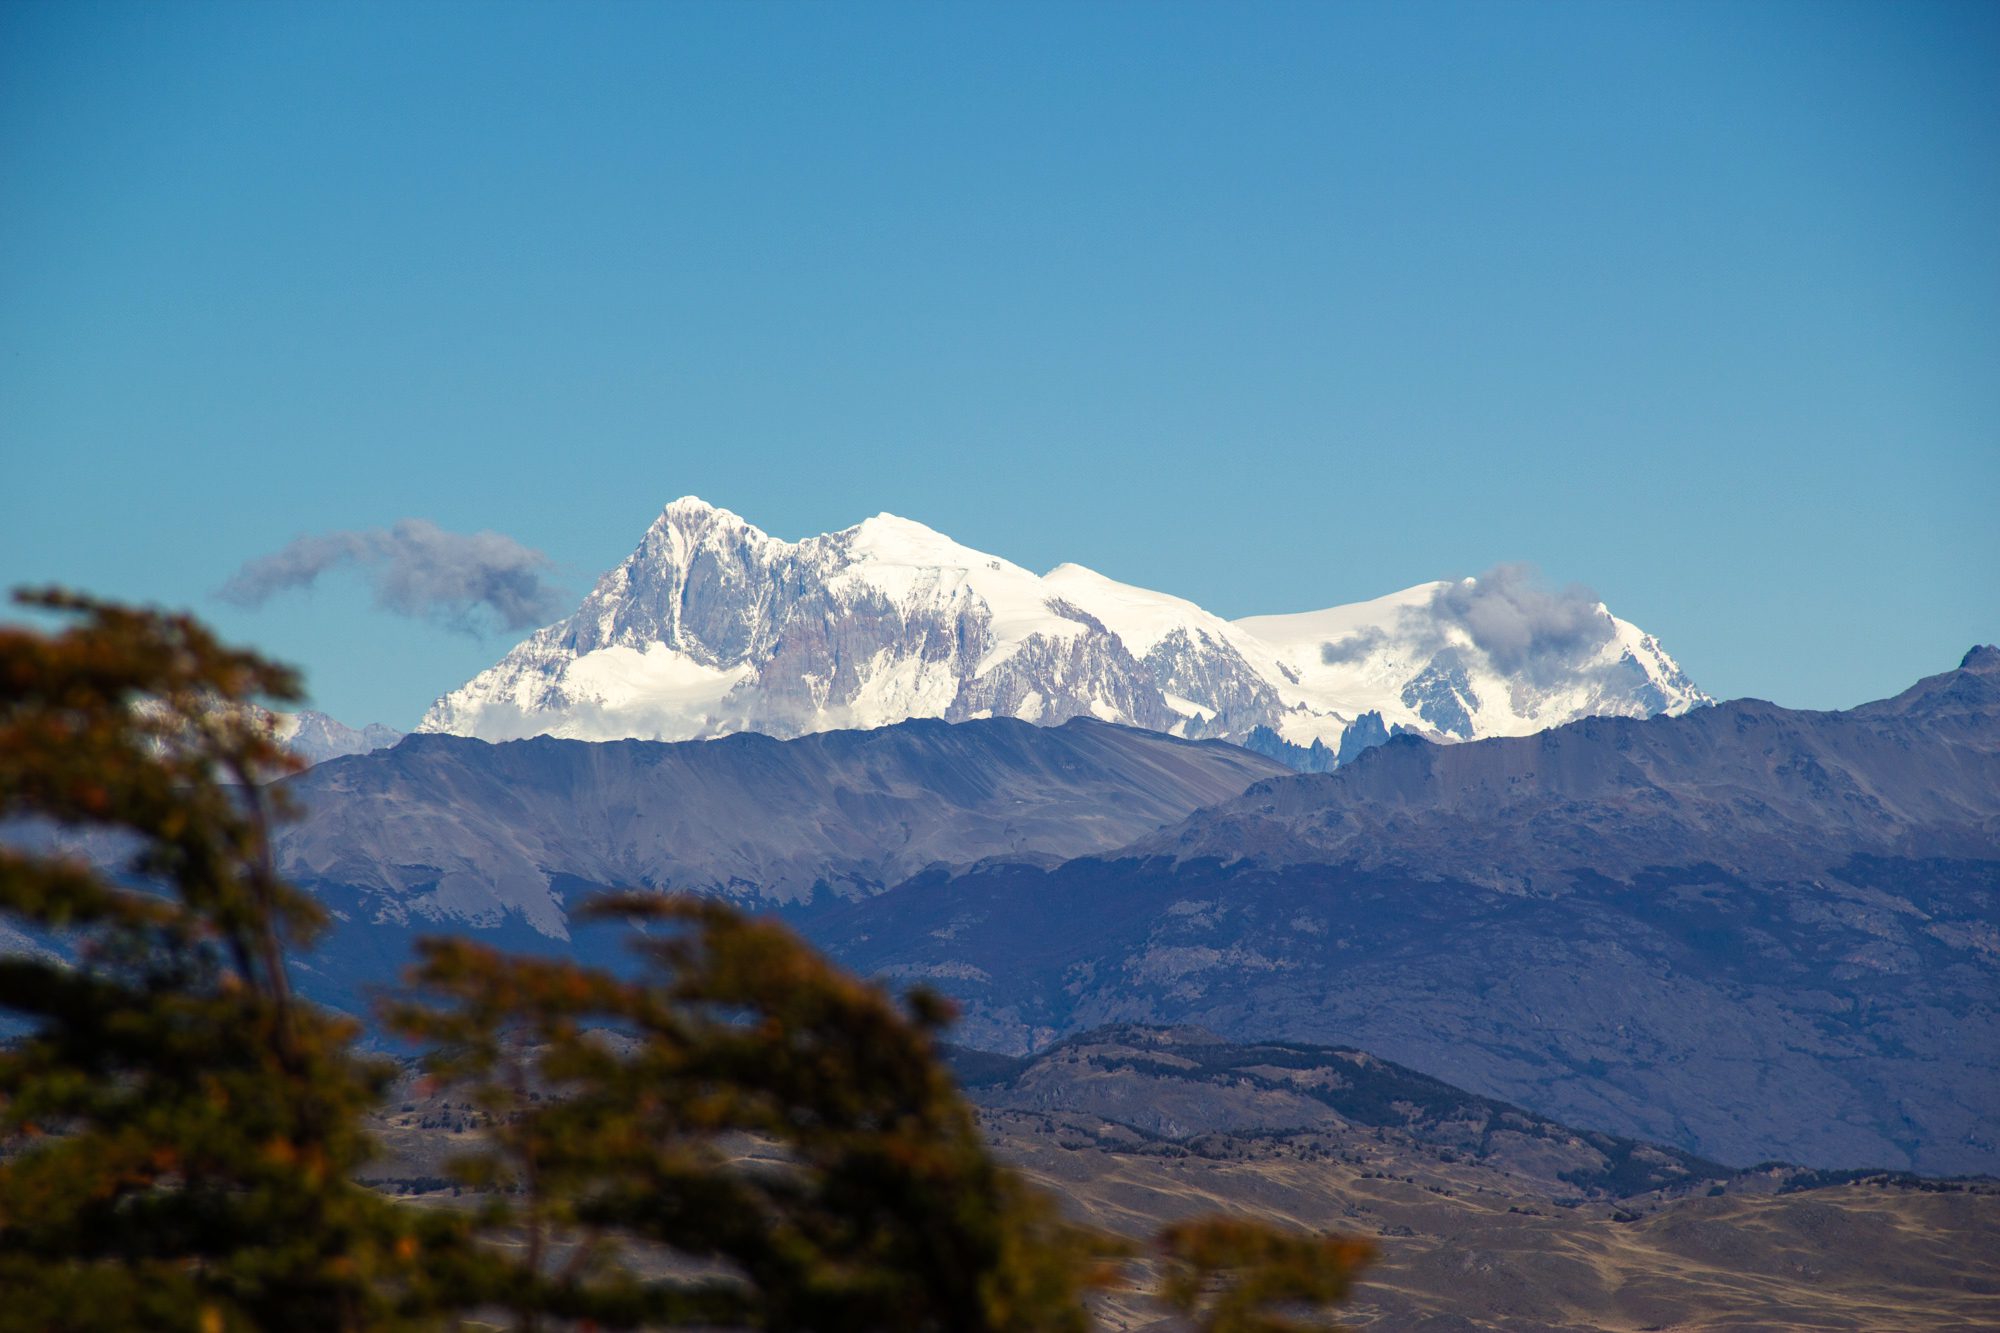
x: 897, y: 540
x: 914, y: 566
x: 1336, y: 623
x: 1140, y: 617
x: 1347, y: 660
x: 692, y: 506
x: 691, y: 522
x: 316, y: 738
x: 903, y: 543
x: 1471, y: 657
x: 712, y: 626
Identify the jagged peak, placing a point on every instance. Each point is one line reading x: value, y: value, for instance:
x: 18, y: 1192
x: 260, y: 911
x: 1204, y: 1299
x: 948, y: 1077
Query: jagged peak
x: 691, y: 521
x: 1983, y: 659
x: 692, y: 509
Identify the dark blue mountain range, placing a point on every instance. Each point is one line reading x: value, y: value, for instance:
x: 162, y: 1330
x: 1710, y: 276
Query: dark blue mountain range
x: 1748, y: 932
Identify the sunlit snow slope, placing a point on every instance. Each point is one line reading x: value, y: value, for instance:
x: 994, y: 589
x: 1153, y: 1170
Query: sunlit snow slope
x: 712, y: 626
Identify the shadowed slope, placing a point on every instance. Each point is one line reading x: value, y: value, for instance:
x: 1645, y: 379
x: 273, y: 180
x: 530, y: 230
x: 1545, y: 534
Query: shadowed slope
x: 1746, y: 785
x: 1747, y: 932
x: 454, y: 830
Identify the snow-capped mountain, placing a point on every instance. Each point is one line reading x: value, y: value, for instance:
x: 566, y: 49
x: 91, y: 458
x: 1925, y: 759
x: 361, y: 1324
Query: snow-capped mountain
x: 316, y: 738
x: 712, y: 626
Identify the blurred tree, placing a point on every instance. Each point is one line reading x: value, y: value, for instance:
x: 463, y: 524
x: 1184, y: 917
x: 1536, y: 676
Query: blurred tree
x: 783, y: 1129
x: 178, y: 1131
x: 1234, y: 1275
x: 179, y: 1134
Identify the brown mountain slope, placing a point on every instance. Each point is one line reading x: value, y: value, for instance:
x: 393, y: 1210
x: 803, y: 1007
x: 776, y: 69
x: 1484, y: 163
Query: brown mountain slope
x: 1488, y: 1218
x: 1459, y: 1255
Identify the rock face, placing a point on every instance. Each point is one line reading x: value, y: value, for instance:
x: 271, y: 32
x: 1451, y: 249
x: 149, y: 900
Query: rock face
x: 1748, y: 932
x: 442, y: 830
x: 713, y: 627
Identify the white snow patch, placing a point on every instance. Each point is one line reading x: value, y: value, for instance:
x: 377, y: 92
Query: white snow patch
x: 666, y: 679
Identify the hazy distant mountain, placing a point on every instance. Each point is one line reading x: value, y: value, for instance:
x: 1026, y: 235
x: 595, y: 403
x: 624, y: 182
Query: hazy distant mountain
x: 315, y: 737
x: 713, y: 627
x: 1749, y: 932
x: 448, y: 831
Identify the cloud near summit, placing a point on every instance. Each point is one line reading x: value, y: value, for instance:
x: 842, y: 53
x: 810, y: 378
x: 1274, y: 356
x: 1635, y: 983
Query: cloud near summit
x: 1523, y: 624
x: 416, y: 568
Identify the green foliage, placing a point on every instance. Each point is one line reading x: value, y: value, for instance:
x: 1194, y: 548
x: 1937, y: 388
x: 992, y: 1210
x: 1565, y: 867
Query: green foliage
x: 1228, y: 1275
x: 179, y: 1131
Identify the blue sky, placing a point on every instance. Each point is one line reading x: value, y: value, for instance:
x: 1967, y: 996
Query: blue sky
x: 1269, y: 306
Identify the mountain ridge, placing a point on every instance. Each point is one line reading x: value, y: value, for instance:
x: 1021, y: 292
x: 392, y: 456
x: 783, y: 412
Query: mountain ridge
x: 452, y: 829
x: 1690, y: 957
x: 315, y: 737
x: 712, y: 626
x: 1766, y: 780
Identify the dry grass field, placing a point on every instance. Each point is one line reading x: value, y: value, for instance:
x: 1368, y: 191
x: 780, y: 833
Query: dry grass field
x: 1469, y: 1244
x: 1463, y: 1248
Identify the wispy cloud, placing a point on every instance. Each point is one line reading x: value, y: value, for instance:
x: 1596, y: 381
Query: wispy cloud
x: 1352, y: 648
x: 458, y: 580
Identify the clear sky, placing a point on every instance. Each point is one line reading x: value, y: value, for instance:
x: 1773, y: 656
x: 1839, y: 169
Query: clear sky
x: 1269, y: 306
